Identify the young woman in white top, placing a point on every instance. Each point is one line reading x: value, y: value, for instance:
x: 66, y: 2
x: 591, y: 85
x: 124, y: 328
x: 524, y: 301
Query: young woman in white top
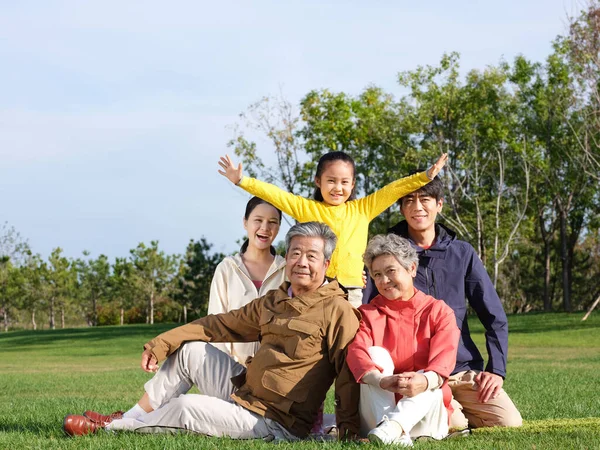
x: 249, y: 274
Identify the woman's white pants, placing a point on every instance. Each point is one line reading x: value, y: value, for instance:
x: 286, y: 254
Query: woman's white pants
x: 421, y: 415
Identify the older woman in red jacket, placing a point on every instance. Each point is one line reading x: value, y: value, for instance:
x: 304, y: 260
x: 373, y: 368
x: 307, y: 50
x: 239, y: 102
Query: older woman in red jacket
x: 404, y: 350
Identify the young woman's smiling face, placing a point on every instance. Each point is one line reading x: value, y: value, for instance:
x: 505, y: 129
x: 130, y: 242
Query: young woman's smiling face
x: 262, y: 226
x: 336, y: 182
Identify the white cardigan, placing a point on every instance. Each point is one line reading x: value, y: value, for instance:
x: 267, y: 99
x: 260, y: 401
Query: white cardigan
x: 231, y: 288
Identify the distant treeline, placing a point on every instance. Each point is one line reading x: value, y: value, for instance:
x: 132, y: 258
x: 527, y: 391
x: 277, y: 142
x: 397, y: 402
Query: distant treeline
x: 147, y: 286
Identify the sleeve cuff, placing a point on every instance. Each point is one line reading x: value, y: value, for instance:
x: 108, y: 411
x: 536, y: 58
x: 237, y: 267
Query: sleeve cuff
x: 433, y: 380
x: 373, y: 377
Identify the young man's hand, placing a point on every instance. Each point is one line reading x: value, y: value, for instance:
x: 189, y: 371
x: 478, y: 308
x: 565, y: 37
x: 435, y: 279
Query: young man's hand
x: 233, y: 174
x: 489, y: 384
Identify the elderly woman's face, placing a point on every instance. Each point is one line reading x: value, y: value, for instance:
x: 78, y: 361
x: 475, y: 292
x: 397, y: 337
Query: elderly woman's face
x: 393, y: 281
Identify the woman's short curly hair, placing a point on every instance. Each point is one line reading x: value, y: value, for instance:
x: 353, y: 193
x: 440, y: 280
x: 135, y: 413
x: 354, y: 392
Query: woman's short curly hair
x: 390, y: 244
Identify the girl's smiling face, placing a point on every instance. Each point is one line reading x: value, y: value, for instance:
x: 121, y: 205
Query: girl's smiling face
x: 336, y: 182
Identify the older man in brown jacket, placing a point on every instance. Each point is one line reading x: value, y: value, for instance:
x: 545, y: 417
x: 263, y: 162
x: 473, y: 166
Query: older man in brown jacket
x: 304, y: 328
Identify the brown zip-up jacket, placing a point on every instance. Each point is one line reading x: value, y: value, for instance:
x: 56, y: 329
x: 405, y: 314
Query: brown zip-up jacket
x: 303, y: 349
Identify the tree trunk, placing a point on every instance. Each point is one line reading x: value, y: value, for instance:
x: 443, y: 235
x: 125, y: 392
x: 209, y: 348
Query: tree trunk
x: 5, y: 320
x: 122, y: 316
x: 94, y: 312
x: 547, y: 236
x: 576, y: 224
x: 184, y: 314
x: 62, y: 317
x: 33, y: 323
x: 480, y: 246
x: 52, y: 322
x: 547, y: 273
x: 564, y: 256
x: 151, y: 307
x: 591, y: 309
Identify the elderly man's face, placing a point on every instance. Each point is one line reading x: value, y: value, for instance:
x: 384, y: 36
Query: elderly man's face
x: 306, y: 264
x: 393, y: 281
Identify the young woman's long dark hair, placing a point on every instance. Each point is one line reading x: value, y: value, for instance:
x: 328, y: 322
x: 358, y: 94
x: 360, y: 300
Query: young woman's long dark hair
x: 328, y: 158
x: 253, y: 203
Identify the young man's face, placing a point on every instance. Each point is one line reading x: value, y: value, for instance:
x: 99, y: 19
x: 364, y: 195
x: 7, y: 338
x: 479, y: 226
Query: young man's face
x: 420, y: 211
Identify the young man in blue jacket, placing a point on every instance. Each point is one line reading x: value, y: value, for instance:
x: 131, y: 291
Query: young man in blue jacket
x: 450, y: 270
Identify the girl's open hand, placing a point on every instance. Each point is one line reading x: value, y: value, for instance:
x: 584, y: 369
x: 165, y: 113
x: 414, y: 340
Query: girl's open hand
x: 437, y: 166
x: 233, y: 174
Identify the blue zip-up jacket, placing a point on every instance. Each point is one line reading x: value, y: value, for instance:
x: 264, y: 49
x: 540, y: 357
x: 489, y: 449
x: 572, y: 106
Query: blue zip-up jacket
x: 450, y: 270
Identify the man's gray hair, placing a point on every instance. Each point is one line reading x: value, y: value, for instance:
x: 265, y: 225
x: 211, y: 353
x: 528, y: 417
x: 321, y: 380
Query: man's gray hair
x: 390, y: 244
x: 313, y: 229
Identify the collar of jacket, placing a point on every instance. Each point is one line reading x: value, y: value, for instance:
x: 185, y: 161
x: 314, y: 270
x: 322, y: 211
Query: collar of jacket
x: 444, y: 236
x: 305, y: 301
x: 277, y: 264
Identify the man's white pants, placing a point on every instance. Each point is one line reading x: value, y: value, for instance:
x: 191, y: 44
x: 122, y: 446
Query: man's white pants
x: 212, y: 412
x: 421, y: 415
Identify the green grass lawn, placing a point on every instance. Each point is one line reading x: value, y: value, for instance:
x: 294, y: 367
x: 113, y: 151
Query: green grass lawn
x: 554, y: 379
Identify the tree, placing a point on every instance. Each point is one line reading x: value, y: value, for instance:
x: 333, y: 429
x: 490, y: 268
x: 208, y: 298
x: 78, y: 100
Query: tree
x: 12, y: 245
x: 152, y: 271
x: 94, y: 283
x: 582, y: 45
x: 195, y: 276
x: 122, y: 286
x: 35, y: 286
x: 13, y: 250
x: 276, y: 119
x: 551, y: 112
x: 61, y: 280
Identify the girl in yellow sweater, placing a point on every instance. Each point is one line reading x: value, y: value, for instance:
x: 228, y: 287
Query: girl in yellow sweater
x: 335, y: 204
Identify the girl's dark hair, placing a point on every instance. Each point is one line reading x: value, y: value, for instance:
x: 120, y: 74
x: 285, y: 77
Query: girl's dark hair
x: 253, y: 203
x: 329, y: 158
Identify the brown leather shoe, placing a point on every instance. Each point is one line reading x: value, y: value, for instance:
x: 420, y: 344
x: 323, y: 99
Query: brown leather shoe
x: 102, y: 419
x: 75, y: 425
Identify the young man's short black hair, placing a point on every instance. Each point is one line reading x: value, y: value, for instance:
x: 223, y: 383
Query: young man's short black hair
x: 434, y: 189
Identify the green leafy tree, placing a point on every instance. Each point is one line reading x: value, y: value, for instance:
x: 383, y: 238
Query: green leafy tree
x: 94, y: 283
x: 35, y: 287
x: 195, y: 276
x: 564, y: 204
x: 582, y: 48
x: 153, y: 270
x: 123, y: 292
x: 62, y: 281
x: 13, y: 251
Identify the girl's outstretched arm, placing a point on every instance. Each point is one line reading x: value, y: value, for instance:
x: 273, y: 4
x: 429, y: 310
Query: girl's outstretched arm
x: 374, y: 204
x: 437, y: 166
x: 233, y: 174
x: 301, y: 209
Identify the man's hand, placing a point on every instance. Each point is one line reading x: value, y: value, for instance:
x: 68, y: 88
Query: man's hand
x: 489, y: 385
x: 149, y: 362
x: 408, y: 384
x: 233, y: 174
x: 364, y: 279
x: 437, y: 166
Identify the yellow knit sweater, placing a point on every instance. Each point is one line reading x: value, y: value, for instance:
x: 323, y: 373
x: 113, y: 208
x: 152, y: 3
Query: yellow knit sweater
x: 349, y: 221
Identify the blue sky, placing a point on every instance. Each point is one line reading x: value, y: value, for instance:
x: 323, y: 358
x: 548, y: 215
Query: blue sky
x: 113, y: 114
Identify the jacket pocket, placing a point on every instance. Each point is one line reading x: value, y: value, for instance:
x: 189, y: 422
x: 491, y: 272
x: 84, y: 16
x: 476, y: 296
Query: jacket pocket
x: 307, y: 340
x: 291, y: 391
